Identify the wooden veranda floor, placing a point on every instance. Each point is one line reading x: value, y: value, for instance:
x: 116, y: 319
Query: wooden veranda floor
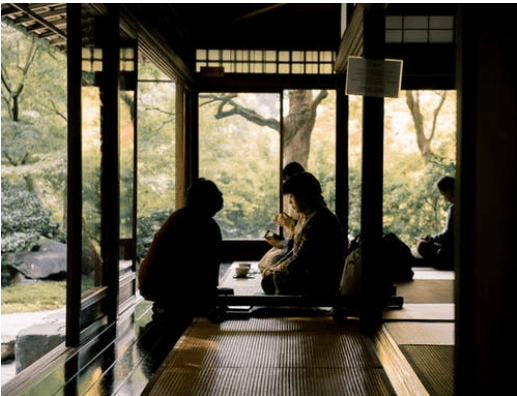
x: 271, y: 356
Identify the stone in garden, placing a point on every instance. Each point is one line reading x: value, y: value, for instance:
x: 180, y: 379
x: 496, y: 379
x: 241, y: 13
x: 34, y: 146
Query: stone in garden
x: 35, y: 341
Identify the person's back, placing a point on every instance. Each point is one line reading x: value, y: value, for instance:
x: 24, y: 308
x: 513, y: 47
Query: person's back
x: 180, y: 271
x: 183, y: 259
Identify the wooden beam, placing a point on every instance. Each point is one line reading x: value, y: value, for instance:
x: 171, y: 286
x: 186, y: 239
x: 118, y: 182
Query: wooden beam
x: 39, y: 19
x: 352, y: 41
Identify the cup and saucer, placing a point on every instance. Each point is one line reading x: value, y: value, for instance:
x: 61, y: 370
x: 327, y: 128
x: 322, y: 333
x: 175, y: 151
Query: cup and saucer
x: 242, y: 270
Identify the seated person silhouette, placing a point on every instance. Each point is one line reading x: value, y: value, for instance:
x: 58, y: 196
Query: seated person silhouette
x: 314, y: 264
x: 181, y: 269
x: 291, y: 224
x: 438, y: 250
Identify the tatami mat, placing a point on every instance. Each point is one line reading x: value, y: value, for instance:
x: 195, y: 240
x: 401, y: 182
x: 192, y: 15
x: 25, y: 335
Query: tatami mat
x: 434, y: 365
x: 419, y: 333
x: 427, y: 291
x: 421, y: 312
x: 275, y: 356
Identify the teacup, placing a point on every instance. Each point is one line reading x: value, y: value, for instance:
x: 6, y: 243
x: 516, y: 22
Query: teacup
x: 242, y: 269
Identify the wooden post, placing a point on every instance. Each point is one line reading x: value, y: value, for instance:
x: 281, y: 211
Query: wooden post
x: 342, y: 112
x: 74, y: 177
x: 110, y: 184
x: 372, y: 174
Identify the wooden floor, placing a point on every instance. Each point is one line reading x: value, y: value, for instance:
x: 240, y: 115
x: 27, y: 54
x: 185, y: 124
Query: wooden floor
x: 271, y: 356
x: 256, y: 355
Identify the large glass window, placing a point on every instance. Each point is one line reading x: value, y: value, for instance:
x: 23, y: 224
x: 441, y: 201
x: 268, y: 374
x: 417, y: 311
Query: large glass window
x: 239, y: 145
x: 34, y: 164
x: 419, y: 148
x: 91, y: 103
x: 156, y: 152
x: 240, y: 139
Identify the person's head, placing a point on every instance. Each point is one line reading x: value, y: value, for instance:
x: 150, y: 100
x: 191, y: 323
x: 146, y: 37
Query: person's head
x: 446, y: 187
x: 304, y: 192
x: 292, y: 168
x: 203, y: 195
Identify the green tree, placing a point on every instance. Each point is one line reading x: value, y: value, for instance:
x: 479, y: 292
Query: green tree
x: 34, y: 117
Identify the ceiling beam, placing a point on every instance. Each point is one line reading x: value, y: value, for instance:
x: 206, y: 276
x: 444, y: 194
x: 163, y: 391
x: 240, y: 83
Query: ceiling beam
x: 39, y: 19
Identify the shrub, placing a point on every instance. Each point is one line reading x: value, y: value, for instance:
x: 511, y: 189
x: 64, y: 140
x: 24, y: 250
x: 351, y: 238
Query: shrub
x: 24, y: 219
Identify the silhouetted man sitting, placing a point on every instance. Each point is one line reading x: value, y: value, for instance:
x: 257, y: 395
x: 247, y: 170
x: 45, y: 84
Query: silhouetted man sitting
x: 438, y: 250
x: 181, y: 269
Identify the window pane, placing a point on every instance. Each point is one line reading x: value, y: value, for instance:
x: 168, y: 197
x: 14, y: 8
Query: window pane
x: 441, y: 22
x: 393, y: 36
x: 393, y: 22
x: 412, y: 205
x: 441, y: 36
x: 156, y: 152
x: 127, y: 137
x: 201, y: 54
x: 270, y: 67
x: 416, y: 22
x: 297, y: 68
x: 297, y: 56
x: 227, y: 55
x: 283, y: 68
x: 242, y: 158
x: 283, y: 56
x: 213, y: 55
x: 415, y: 36
x: 313, y: 148
x: 270, y: 56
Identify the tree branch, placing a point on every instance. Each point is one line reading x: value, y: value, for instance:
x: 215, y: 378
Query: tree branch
x: 5, y: 77
x: 322, y: 95
x: 56, y: 110
x: 248, y: 114
x: 436, y: 111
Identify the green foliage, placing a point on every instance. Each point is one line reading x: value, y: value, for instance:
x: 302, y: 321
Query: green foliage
x: 156, y: 141
x: 415, y: 208
x: 146, y: 228
x: 242, y: 158
x: 24, y: 219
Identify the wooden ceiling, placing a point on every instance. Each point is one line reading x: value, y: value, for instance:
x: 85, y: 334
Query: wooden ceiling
x: 204, y: 25
x: 260, y: 25
x: 45, y: 20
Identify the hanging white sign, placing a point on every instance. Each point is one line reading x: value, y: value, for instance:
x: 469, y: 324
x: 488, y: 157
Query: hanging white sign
x: 373, y: 77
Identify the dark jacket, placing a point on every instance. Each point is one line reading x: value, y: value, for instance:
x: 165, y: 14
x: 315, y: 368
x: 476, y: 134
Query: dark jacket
x: 182, y: 265
x: 318, y: 254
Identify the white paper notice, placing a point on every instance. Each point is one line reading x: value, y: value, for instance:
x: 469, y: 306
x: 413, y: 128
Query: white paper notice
x: 372, y: 77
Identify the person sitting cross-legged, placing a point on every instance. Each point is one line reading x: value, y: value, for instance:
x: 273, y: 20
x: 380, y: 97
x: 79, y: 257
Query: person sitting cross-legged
x: 314, y: 264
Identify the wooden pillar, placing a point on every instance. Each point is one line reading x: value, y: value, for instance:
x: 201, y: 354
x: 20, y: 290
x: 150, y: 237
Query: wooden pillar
x: 74, y: 176
x: 372, y: 173
x: 486, y: 198
x: 342, y: 198
x: 110, y: 185
x: 182, y: 166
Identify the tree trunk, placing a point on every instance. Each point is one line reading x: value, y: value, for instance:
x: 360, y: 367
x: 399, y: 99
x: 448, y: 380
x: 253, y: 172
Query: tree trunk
x: 298, y: 126
x: 424, y: 142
